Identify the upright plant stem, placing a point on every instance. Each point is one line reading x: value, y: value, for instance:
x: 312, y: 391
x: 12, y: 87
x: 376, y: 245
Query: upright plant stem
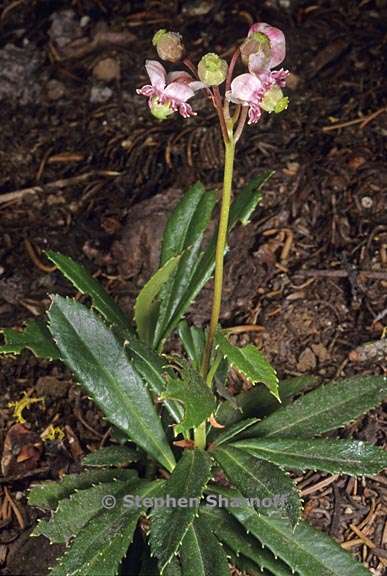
x: 220, y: 248
x: 200, y: 431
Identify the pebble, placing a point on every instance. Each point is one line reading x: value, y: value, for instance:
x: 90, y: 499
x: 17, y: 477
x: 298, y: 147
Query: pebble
x: 107, y: 70
x: 55, y: 90
x: 100, y: 94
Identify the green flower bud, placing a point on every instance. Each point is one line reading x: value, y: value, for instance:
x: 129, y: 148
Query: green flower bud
x: 212, y: 70
x: 274, y: 100
x: 160, y: 111
x: 256, y: 43
x: 169, y: 45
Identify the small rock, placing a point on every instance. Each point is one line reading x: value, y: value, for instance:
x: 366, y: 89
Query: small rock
x: 19, y: 78
x: 307, y: 360
x: 197, y: 7
x: 321, y: 352
x: 51, y: 387
x: 292, y: 81
x: 100, y: 94
x: 64, y: 28
x: 107, y: 70
x: 55, y: 90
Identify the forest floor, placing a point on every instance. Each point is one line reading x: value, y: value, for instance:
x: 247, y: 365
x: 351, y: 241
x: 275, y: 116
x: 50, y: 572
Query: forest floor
x: 85, y: 170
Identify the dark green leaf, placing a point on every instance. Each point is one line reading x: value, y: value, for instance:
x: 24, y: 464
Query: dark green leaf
x: 231, y: 533
x: 262, y: 480
x: 198, y: 400
x: 334, y: 456
x: 229, y: 433
x: 259, y: 402
x: 307, y: 551
x: 75, y: 512
x: 100, y: 545
x: 100, y: 363
x: 201, y: 553
x: 48, y: 494
x: 170, y: 524
x: 35, y: 336
x: 111, y: 456
x: 241, y: 210
x: 83, y: 281
x: 151, y: 367
x: 250, y: 362
x: 147, y: 305
x: 324, y: 409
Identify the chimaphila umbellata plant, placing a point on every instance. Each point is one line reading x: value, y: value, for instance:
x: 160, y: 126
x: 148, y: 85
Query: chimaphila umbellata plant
x: 215, y: 463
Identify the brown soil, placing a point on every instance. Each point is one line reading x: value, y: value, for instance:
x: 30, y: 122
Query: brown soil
x: 311, y: 268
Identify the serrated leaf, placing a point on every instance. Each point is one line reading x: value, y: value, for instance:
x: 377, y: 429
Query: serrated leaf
x: 146, y: 306
x: 151, y: 367
x: 100, y: 545
x: 241, y: 210
x: 75, y: 512
x: 83, y: 281
x: 246, y: 565
x: 230, y: 532
x: 111, y: 456
x: 35, y: 336
x: 250, y: 362
x: 198, y: 400
x: 226, y: 435
x: 201, y: 554
x: 334, y: 456
x: 324, y: 409
x: 307, y: 551
x: 48, y: 494
x: 259, y: 479
x: 170, y: 524
x: 100, y: 363
x: 193, y: 339
x: 183, y: 235
x: 258, y: 401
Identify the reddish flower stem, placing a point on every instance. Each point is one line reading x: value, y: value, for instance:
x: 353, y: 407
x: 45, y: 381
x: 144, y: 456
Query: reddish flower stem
x: 230, y: 72
x: 241, y: 124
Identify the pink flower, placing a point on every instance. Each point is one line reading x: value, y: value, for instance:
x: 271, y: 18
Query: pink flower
x: 277, y: 44
x: 168, y: 93
x: 253, y: 91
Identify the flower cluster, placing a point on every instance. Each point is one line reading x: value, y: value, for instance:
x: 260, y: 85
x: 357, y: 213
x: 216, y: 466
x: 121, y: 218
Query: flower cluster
x: 258, y: 89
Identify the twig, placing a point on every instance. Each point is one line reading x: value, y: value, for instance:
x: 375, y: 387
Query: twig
x: 15, y: 509
x: 342, y: 274
x: 362, y: 121
x: 58, y: 184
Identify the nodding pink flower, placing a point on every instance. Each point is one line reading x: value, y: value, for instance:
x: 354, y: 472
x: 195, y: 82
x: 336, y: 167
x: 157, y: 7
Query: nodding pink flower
x: 168, y: 93
x: 259, y: 93
x: 276, y: 49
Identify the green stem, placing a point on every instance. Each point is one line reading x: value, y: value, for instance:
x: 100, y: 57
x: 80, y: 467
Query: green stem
x: 200, y: 436
x: 220, y: 248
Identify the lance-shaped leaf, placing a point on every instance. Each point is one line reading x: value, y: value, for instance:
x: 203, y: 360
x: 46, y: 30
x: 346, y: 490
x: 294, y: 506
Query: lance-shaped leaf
x: 48, y: 494
x: 151, y: 367
x: 334, y: 456
x: 307, y: 551
x: 186, y: 485
x: 74, y: 513
x: 241, y: 210
x: 111, y: 456
x: 147, y: 304
x: 193, y: 339
x: 196, y: 397
x: 201, y: 554
x: 258, y: 401
x: 228, y: 434
x: 100, y: 545
x: 183, y: 235
x: 247, y: 566
x: 250, y: 362
x: 83, y: 281
x: 35, y: 336
x: 101, y: 365
x: 273, y: 489
x: 324, y: 409
x: 234, y: 536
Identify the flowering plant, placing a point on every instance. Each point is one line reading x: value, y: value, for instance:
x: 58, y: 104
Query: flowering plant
x: 195, y: 481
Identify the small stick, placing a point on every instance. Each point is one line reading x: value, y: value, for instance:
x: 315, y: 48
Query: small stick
x: 15, y: 509
x: 362, y: 121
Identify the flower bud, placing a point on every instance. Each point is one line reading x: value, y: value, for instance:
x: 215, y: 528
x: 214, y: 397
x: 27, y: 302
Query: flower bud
x: 159, y: 110
x: 274, y: 100
x: 212, y: 70
x: 257, y: 45
x: 169, y: 45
